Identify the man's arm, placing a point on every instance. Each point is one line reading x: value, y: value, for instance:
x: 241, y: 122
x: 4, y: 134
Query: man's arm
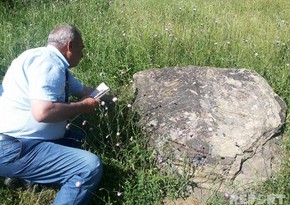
x: 47, y: 111
x: 86, y: 91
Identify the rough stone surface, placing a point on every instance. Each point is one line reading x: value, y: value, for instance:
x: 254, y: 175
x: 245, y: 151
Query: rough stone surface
x: 219, y: 123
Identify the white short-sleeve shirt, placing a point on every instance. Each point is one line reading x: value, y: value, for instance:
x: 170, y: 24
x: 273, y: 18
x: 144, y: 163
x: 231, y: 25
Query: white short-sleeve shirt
x: 37, y: 73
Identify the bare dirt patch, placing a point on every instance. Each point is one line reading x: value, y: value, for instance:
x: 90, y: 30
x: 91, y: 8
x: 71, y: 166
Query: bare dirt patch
x: 188, y: 201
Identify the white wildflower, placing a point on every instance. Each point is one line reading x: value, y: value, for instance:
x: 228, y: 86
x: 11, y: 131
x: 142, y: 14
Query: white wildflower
x: 78, y: 184
x: 119, y: 193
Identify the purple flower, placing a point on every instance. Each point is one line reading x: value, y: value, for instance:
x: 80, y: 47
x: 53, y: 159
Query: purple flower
x: 118, y: 144
x: 227, y: 195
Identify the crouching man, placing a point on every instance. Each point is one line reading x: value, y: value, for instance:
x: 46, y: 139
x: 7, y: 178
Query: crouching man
x: 34, y: 111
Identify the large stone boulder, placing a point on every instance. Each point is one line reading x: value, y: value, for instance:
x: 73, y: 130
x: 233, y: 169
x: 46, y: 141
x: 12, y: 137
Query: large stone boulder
x: 219, y: 123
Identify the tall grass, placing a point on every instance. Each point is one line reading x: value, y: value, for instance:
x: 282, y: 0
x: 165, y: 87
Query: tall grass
x: 123, y: 37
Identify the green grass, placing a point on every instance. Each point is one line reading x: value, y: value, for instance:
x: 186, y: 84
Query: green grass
x: 123, y: 37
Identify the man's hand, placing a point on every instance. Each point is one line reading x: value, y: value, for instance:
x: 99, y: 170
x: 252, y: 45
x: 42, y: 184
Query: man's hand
x: 90, y: 104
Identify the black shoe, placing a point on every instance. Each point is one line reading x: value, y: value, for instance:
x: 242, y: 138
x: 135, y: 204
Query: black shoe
x: 14, y: 183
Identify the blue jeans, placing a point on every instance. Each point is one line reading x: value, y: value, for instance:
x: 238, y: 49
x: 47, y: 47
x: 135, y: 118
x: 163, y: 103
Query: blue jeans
x: 78, y: 171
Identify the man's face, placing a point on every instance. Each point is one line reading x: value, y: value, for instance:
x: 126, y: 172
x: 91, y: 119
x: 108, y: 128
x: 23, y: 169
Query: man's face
x: 75, y: 52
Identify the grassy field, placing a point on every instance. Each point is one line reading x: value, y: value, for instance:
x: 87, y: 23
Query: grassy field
x: 123, y: 37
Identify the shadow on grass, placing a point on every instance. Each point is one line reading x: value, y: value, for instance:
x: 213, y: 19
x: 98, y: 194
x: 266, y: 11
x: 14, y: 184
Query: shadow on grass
x: 109, y: 190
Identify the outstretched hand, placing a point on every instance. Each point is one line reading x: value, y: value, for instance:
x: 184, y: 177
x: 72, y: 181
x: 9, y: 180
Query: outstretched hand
x: 89, y: 104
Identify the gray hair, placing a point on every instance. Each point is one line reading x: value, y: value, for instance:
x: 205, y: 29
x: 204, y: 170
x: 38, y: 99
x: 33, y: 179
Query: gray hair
x: 62, y: 34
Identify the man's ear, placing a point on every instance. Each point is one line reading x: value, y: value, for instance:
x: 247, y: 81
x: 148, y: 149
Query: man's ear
x: 67, y: 50
x: 69, y: 46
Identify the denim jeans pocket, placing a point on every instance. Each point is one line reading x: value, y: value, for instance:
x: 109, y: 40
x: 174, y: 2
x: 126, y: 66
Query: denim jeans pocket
x: 10, y: 150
